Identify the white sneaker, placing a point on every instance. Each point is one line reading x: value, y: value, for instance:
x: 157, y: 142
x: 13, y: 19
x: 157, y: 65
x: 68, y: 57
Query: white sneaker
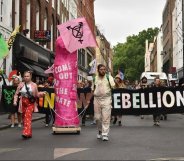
x: 99, y: 136
x: 46, y: 125
x: 105, y: 138
x: 12, y: 125
x: 157, y: 123
x: 19, y: 125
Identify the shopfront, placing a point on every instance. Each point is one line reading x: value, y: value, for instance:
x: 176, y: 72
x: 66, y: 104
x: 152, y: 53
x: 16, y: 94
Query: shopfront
x: 28, y: 55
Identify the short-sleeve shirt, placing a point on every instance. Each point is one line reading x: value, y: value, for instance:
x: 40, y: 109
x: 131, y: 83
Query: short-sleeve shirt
x: 103, y: 86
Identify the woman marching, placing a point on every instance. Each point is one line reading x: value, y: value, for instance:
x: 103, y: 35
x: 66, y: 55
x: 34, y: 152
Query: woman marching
x: 28, y: 93
x: 118, y: 84
x: 14, y: 110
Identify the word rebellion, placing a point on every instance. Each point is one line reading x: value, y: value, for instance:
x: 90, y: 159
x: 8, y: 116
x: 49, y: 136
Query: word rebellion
x: 148, y: 99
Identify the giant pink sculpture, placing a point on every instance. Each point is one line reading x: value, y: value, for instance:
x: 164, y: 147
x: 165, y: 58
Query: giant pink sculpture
x: 65, y: 74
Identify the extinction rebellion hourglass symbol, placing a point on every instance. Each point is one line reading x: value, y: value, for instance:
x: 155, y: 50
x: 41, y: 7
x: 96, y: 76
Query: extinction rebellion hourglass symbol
x: 77, y: 31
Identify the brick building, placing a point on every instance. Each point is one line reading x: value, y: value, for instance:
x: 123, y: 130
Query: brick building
x: 46, y: 15
x: 39, y: 15
x: 86, y: 9
x: 85, y: 56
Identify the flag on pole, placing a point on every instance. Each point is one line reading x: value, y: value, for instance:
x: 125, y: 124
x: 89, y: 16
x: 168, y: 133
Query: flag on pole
x: 120, y: 72
x: 3, y: 48
x: 93, y: 66
x: 76, y: 34
x: 12, y: 37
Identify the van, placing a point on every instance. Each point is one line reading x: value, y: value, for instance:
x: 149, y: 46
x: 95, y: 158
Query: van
x: 173, y: 79
x: 152, y: 75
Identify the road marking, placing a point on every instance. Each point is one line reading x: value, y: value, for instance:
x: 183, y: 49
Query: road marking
x: 160, y: 159
x: 4, y: 150
x: 60, y: 152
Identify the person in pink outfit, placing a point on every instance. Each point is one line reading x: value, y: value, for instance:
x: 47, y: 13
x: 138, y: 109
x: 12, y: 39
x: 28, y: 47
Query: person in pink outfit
x: 28, y: 93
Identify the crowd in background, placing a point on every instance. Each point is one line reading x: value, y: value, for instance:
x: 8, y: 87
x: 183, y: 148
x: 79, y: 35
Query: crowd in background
x: 119, y: 83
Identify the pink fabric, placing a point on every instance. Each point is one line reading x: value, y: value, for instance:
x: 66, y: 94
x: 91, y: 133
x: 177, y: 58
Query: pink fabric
x: 65, y: 74
x: 70, y: 28
x: 49, y: 70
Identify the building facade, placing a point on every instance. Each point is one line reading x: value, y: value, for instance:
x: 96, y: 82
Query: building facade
x: 147, y: 61
x: 157, y: 53
x: 104, y: 53
x: 5, y: 31
x: 36, y: 15
x: 160, y: 50
x: 167, y: 35
x: 39, y: 15
x: 153, y: 57
x: 85, y: 8
x: 178, y: 38
x: 45, y: 15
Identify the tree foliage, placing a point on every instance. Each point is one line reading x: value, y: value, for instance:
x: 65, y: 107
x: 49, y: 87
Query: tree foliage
x: 129, y: 56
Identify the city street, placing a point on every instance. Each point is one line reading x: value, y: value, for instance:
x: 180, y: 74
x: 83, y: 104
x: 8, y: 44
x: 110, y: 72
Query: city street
x: 137, y: 139
x: 78, y: 58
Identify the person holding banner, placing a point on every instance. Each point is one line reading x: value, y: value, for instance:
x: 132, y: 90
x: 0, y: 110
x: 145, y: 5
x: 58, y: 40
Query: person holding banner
x: 15, y: 82
x: 48, y: 112
x: 156, y: 117
x: 103, y: 83
x: 118, y: 84
x: 28, y: 93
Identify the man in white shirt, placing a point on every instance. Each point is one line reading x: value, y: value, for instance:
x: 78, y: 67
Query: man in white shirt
x: 103, y: 84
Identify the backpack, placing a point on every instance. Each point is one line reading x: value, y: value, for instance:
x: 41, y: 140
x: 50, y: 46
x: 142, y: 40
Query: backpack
x: 107, y: 76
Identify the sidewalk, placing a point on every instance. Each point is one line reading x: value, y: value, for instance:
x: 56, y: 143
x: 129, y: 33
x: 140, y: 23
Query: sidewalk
x: 6, y: 123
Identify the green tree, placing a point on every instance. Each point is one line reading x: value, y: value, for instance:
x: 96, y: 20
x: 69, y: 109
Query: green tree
x: 130, y: 55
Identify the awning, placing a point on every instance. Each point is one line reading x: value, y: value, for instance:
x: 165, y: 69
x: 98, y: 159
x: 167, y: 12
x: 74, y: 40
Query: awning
x: 28, y: 67
x: 36, y: 69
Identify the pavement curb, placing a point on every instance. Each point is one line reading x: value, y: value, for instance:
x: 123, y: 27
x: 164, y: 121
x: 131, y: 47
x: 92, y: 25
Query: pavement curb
x: 3, y: 127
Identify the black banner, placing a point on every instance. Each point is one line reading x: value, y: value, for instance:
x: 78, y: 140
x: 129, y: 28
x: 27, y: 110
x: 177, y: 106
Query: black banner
x: 147, y: 101
x: 161, y: 100
x: 7, y: 98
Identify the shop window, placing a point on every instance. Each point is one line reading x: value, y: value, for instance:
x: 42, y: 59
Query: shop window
x: 53, y: 3
x: 37, y: 16
x: 28, y: 17
x: 81, y: 57
x: 89, y: 59
x: 1, y: 11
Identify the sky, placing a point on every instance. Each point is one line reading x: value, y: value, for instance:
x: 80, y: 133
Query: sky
x: 118, y: 19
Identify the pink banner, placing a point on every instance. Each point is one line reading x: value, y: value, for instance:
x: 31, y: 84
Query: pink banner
x: 65, y: 73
